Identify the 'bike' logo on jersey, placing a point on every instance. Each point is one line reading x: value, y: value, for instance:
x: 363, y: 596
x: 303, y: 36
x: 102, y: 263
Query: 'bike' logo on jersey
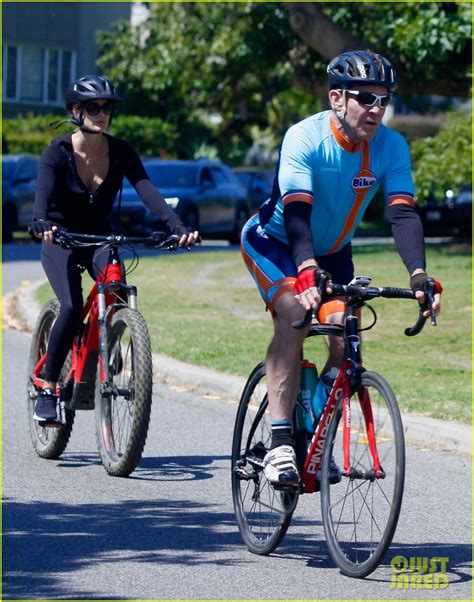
x: 362, y: 181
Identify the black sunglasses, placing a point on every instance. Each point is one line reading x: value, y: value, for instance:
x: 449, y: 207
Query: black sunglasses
x: 94, y: 109
x: 369, y: 99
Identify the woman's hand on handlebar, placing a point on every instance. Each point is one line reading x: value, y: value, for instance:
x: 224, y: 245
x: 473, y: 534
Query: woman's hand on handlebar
x: 43, y: 229
x: 186, y: 237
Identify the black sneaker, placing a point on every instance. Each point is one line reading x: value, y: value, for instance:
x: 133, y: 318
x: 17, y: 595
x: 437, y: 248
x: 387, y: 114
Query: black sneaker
x: 45, y: 406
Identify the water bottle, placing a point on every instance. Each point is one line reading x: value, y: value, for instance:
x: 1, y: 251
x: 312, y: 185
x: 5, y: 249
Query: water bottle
x: 309, y: 379
x: 321, y: 395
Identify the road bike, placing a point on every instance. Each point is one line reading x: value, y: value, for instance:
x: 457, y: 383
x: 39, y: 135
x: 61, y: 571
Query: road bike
x: 109, y: 367
x: 355, y: 457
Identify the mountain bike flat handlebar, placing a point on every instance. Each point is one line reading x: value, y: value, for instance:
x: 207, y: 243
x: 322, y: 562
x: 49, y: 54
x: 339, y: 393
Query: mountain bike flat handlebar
x: 158, y: 240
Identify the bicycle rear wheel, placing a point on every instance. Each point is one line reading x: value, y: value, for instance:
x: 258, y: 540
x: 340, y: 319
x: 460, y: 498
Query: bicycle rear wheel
x: 263, y: 514
x: 360, y: 513
x: 122, y: 419
x: 48, y: 443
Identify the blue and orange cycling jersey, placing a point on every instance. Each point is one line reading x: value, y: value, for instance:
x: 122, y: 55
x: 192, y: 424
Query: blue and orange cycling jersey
x: 339, y: 179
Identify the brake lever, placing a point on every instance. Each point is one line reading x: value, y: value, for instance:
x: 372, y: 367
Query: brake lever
x: 311, y: 313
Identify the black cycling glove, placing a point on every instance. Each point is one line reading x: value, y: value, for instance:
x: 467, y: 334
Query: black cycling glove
x: 40, y: 226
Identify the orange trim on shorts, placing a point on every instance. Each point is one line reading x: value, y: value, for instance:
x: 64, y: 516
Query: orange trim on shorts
x: 301, y: 197
x: 401, y: 199
x: 327, y: 309
x: 285, y: 285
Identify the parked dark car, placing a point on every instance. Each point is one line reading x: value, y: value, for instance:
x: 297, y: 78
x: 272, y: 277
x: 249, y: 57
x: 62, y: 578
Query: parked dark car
x: 205, y: 194
x: 19, y: 173
x: 450, y: 216
x: 258, y: 184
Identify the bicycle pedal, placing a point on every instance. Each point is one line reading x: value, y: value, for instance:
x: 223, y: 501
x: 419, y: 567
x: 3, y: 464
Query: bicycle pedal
x: 291, y: 488
x: 242, y: 474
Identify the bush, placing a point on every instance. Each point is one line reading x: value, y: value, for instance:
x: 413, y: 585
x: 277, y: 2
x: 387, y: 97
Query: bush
x: 150, y: 136
x: 443, y: 162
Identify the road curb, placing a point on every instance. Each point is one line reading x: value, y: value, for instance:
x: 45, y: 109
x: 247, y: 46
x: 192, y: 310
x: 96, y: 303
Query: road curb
x: 421, y: 430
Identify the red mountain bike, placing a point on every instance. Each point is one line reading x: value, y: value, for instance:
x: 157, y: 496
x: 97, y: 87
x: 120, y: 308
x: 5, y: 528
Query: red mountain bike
x: 109, y: 367
x: 360, y: 430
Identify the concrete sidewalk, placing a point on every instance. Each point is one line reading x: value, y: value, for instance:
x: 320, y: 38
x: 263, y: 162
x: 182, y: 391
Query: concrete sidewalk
x: 21, y: 311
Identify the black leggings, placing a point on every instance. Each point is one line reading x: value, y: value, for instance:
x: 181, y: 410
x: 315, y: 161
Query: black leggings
x: 62, y: 267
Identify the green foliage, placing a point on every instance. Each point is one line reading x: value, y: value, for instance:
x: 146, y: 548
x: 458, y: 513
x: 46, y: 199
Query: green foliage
x: 150, y: 136
x: 29, y: 133
x: 428, y: 42
x: 215, y: 83
x: 444, y: 161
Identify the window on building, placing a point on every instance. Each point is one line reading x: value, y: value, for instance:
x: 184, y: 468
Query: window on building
x: 37, y: 75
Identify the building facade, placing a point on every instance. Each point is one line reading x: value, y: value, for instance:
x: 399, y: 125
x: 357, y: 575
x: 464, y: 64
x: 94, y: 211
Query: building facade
x: 48, y: 44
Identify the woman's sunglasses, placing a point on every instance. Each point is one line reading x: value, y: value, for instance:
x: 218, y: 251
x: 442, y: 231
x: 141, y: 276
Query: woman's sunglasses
x: 369, y: 98
x: 94, y: 109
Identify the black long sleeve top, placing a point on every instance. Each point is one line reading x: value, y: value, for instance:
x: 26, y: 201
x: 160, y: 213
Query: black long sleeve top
x: 62, y: 197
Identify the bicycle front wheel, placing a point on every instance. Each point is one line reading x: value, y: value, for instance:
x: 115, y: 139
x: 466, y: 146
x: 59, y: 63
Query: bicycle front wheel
x: 263, y: 514
x: 360, y: 512
x: 48, y: 442
x: 122, y: 419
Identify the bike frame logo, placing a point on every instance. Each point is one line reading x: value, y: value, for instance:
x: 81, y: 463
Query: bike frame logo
x: 419, y: 572
x: 315, y: 461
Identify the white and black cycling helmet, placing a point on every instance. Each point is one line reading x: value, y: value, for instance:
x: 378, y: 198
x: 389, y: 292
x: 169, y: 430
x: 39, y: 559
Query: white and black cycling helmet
x: 361, y: 68
x: 90, y: 87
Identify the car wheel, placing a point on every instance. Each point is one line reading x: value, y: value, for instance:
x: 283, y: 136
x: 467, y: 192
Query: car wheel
x: 191, y: 218
x: 241, y: 216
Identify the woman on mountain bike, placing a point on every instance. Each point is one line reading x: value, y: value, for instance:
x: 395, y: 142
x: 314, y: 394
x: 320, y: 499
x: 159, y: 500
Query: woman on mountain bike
x: 79, y: 177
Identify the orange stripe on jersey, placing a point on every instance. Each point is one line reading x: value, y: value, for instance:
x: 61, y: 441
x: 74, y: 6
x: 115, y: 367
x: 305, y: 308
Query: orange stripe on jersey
x: 339, y: 137
x: 358, y: 201
x: 401, y: 199
x: 301, y: 197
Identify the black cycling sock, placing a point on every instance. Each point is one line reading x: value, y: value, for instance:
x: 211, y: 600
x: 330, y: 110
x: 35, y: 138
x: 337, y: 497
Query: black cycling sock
x: 281, y: 433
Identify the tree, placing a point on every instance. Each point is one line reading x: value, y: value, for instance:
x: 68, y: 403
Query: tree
x: 226, y: 74
x: 429, y: 42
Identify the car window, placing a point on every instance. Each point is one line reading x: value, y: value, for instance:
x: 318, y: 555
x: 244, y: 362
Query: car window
x: 206, y: 177
x: 172, y: 176
x: 219, y: 175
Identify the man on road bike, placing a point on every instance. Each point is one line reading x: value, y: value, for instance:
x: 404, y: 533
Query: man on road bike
x: 79, y: 177
x: 330, y: 166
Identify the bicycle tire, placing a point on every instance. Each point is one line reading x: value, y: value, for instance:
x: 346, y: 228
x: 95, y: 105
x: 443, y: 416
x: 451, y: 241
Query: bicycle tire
x: 263, y: 514
x: 360, y: 515
x: 48, y: 443
x: 122, y: 420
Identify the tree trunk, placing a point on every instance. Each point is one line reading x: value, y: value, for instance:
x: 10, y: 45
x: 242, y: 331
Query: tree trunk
x: 319, y: 33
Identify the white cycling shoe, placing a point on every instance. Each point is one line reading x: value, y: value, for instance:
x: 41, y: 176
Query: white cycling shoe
x: 280, y: 466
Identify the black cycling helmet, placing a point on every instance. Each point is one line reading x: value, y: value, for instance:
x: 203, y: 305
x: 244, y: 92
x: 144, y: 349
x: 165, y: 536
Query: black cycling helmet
x: 90, y: 87
x: 361, y: 68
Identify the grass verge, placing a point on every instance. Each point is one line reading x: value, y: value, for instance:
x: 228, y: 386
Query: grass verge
x: 203, y: 308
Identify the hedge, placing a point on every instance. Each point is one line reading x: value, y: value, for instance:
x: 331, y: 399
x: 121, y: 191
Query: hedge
x: 150, y: 136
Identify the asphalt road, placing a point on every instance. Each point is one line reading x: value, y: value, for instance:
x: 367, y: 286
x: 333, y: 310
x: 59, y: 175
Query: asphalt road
x: 72, y: 532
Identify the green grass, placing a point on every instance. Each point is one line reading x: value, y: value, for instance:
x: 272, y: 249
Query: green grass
x: 203, y: 308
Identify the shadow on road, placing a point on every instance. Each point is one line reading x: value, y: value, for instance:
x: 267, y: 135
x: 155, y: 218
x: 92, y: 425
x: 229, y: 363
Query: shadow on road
x: 41, y: 539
